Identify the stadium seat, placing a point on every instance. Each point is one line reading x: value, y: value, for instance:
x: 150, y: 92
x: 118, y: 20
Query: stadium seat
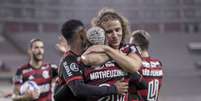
x: 195, y: 46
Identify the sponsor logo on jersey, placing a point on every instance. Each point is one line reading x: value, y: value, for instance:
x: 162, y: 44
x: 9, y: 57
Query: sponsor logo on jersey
x: 152, y: 64
x: 107, y: 74
x: 74, y: 67
x: 68, y: 71
x: 106, y: 65
x: 109, y: 64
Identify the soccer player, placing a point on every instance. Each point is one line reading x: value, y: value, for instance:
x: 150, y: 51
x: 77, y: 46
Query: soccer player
x: 113, y: 61
x: 151, y: 69
x: 70, y: 85
x: 35, y: 70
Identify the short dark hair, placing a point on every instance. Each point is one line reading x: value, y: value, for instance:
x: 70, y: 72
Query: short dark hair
x: 70, y: 27
x: 141, y: 41
x: 33, y: 41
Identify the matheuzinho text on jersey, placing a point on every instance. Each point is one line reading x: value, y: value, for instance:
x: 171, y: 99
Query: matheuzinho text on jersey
x: 107, y: 74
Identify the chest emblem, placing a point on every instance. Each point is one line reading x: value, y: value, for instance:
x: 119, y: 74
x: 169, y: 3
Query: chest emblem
x: 45, y: 74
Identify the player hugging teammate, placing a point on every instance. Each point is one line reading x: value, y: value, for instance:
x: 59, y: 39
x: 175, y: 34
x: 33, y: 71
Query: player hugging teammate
x: 97, y: 66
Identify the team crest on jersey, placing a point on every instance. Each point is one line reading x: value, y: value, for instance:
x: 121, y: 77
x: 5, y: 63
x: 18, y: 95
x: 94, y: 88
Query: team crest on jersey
x: 45, y: 74
x: 74, y: 67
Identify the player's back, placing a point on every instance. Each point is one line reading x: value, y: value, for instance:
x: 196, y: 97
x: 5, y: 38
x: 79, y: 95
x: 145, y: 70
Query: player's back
x: 106, y: 75
x: 67, y: 72
x: 152, y: 73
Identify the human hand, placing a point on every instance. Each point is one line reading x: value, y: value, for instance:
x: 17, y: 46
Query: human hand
x: 122, y: 86
x: 96, y: 49
x: 62, y: 45
x: 32, y: 94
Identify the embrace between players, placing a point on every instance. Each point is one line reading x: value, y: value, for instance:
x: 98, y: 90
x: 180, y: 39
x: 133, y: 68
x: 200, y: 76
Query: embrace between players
x: 98, y: 65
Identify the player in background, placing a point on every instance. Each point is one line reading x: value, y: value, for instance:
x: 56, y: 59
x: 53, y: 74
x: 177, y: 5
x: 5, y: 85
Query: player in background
x: 70, y: 85
x: 151, y: 69
x: 35, y: 70
x: 113, y: 61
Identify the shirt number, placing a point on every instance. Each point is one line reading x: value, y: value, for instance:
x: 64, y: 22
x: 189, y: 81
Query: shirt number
x: 153, y: 88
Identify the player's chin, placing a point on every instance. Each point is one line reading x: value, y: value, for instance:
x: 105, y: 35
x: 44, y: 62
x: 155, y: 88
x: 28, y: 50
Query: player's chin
x: 39, y: 58
x: 115, y: 45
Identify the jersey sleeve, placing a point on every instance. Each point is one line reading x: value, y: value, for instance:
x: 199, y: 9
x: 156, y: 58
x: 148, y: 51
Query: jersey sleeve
x: 54, y: 70
x: 130, y: 48
x: 71, y: 70
x: 17, y: 79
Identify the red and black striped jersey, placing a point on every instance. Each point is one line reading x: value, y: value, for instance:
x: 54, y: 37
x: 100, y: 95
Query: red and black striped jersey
x: 107, y: 74
x: 69, y: 70
x: 72, y: 82
x: 43, y: 77
x: 136, y: 83
x: 152, y: 73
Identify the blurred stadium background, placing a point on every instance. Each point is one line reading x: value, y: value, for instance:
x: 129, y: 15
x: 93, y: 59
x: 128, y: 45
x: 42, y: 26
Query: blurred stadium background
x: 175, y: 26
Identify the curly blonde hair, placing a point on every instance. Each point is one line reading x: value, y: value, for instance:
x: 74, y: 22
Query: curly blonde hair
x: 107, y: 14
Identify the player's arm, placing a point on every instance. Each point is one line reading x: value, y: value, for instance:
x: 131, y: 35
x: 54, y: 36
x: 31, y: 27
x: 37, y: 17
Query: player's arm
x: 17, y: 97
x: 94, y: 59
x: 74, y: 80
x: 16, y: 91
x: 79, y: 88
x: 54, y: 70
x: 130, y: 62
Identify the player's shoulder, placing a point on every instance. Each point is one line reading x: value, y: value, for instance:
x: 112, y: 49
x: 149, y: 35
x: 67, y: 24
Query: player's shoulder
x: 70, y: 57
x: 49, y: 65
x: 53, y: 66
x: 24, y: 66
x: 155, y: 60
x: 128, y: 48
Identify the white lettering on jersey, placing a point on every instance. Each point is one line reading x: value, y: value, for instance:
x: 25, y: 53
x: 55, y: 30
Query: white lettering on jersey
x: 69, y: 73
x: 114, y: 97
x: 147, y: 72
x: 153, y: 88
x: 151, y: 64
x: 107, y: 74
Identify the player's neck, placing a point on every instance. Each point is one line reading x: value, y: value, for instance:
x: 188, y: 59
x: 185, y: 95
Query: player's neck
x: 36, y: 64
x: 76, y: 47
x: 145, y: 53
